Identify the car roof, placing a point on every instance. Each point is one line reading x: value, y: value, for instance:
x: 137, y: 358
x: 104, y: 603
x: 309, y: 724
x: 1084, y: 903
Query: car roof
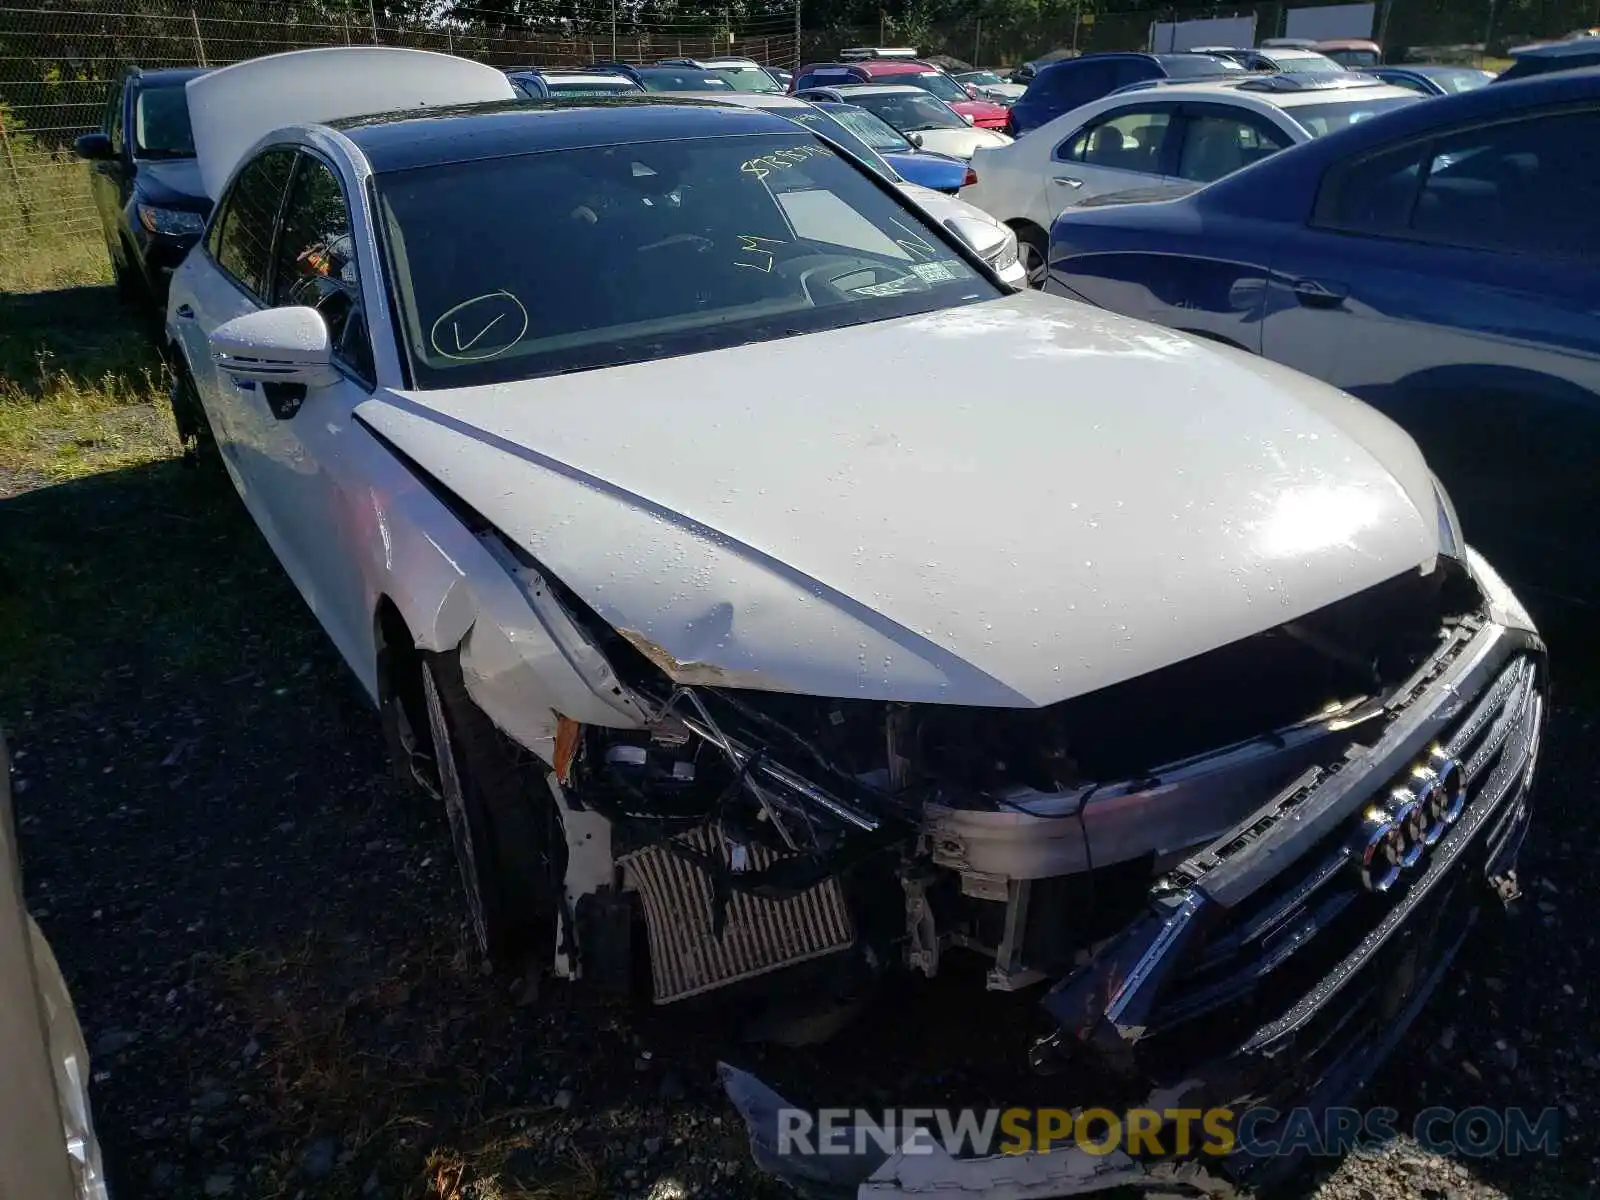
x: 867, y: 89
x: 744, y: 99
x: 583, y: 77
x: 1290, y: 53
x: 1577, y: 47
x: 428, y: 137
x: 167, y: 75
x: 1250, y: 87
x: 1428, y: 69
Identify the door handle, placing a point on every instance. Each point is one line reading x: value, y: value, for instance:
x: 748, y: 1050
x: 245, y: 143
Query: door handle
x: 1316, y: 293
x: 1067, y: 181
x: 186, y: 312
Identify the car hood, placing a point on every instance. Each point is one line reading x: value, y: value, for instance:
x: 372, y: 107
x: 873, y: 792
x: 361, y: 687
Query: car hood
x: 983, y: 111
x: 172, y: 183
x: 960, y: 143
x: 927, y: 168
x: 1011, y: 503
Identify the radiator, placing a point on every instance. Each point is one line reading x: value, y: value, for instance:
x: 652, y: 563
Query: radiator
x: 759, y: 935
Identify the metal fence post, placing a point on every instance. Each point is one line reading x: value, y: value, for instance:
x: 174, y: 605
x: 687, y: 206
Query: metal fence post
x: 199, y: 42
x: 796, y: 35
x: 613, y: 30
x: 977, y: 43
x: 372, y: 13
x: 16, y: 177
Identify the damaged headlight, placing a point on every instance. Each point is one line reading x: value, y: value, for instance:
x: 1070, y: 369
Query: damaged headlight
x: 1451, y: 543
x: 174, y: 222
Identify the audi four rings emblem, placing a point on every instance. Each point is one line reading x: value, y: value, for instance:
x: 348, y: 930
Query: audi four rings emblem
x: 1395, y: 833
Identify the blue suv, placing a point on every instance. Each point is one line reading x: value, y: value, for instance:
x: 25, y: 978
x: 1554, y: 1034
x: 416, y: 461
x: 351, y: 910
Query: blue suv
x: 1063, y: 86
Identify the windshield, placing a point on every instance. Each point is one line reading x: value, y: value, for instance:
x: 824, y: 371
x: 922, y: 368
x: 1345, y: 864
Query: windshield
x: 1462, y: 79
x: 909, y: 112
x: 981, y: 78
x: 1318, y: 119
x: 1356, y: 59
x: 937, y: 83
x: 1191, y: 66
x: 682, y: 79
x: 827, y: 122
x: 161, y: 123
x: 747, y: 79
x: 590, y: 87
x: 871, y: 129
x: 1306, y: 64
x: 569, y: 260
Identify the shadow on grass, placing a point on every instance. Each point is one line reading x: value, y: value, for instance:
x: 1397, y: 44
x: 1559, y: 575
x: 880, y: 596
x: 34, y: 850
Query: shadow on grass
x: 83, y: 332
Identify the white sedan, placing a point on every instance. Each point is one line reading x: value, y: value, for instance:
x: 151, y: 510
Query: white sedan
x: 925, y: 120
x: 774, y: 599
x: 1170, y: 138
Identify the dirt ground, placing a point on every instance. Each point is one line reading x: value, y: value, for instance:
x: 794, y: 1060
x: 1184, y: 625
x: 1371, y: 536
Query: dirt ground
x: 262, y: 932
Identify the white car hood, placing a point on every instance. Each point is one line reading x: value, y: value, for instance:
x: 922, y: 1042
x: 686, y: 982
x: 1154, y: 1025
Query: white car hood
x: 1009, y: 503
x: 960, y: 143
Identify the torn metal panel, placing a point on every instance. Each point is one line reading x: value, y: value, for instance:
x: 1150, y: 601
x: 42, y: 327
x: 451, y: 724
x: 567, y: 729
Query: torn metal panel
x: 591, y: 867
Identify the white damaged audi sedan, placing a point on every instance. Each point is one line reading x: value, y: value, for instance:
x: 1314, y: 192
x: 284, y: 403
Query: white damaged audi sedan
x: 775, y: 600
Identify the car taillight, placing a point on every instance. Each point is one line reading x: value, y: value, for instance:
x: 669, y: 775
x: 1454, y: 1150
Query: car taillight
x: 970, y: 178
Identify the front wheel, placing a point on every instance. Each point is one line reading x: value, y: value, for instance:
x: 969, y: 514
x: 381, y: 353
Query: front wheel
x: 507, y: 834
x: 188, y: 414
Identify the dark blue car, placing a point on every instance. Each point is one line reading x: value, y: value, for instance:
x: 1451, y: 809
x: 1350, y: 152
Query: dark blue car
x: 937, y: 171
x: 1441, y: 261
x: 1433, y: 79
x: 1063, y: 86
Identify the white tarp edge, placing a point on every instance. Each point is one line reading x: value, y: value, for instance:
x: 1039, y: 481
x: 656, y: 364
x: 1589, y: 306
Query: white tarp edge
x: 231, y: 109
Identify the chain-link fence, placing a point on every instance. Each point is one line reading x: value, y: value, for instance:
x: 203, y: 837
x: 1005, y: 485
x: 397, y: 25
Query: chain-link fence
x: 58, y: 58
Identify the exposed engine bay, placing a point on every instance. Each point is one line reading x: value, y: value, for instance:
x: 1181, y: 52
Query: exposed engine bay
x: 755, y: 833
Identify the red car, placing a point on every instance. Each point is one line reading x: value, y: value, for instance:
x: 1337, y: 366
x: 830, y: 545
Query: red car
x: 984, y: 113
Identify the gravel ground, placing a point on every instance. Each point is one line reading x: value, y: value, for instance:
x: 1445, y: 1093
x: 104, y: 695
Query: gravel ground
x: 262, y: 933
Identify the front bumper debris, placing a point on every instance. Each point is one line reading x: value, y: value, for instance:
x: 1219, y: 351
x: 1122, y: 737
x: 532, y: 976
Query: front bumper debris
x: 1265, y: 972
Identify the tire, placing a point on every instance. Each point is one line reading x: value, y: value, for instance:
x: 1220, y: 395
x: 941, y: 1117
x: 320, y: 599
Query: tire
x: 130, y: 288
x: 188, y: 414
x: 1034, y: 251
x: 507, y: 834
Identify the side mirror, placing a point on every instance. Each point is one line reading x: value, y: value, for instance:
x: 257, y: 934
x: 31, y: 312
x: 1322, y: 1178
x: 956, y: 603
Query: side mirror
x: 985, y: 237
x: 286, y: 350
x: 969, y: 118
x: 93, y: 146
x: 915, y: 139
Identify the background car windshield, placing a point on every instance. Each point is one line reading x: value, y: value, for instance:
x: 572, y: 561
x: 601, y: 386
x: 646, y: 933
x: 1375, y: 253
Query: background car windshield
x: 1309, y: 64
x: 1461, y: 79
x: 908, y: 112
x: 512, y: 268
x: 980, y: 77
x: 825, y: 122
x: 161, y: 123
x: 1318, y: 119
x: 939, y: 84
x: 682, y: 79
x: 871, y: 129
x: 1191, y: 66
x: 589, y: 87
x: 748, y: 79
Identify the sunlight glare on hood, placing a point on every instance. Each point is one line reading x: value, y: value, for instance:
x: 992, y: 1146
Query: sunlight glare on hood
x: 1306, y: 520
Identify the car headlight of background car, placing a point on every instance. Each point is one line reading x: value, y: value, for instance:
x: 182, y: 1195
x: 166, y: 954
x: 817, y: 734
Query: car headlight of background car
x: 174, y: 222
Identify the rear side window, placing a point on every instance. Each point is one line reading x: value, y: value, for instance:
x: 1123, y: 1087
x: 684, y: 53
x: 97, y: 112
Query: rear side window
x: 1218, y: 143
x: 1075, y: 84
x: 1528, y: 186
x: 1129, y: 141
x: 241, y: 235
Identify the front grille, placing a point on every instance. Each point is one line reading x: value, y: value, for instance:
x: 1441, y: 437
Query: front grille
x: 687, y: 956
x: 1266, y: 965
